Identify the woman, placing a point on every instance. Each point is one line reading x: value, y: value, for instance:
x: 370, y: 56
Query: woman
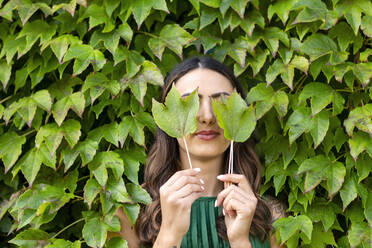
x: 197, y: 207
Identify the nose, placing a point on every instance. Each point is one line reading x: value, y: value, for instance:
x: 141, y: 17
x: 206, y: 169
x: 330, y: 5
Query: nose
x: 205, y: 114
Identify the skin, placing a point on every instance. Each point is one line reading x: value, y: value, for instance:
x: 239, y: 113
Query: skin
x: 206, y: 179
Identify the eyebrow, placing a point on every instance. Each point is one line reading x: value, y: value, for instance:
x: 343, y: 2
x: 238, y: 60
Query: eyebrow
x: 215, y: 95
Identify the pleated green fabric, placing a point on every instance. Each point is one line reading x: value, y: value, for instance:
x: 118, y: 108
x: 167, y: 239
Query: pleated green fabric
x: 202, y: 231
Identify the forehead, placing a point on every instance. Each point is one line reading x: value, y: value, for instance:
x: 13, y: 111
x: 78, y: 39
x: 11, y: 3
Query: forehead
x: 207, y: 81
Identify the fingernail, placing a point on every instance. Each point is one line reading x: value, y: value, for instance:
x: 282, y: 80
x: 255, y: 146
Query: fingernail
x: 219, y: 176
x: 223, y: 212
x: 202, y: 181
x: 197, y: 169
x: 202, y: 187
x: 215, y: 203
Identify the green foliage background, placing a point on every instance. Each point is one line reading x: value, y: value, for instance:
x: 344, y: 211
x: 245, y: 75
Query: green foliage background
x: 77, y: 81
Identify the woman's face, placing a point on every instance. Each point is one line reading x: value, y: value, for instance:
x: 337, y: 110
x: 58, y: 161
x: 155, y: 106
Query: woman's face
x: 208, y: 141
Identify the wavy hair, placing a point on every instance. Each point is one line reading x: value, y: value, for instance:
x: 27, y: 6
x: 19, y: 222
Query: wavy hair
x: 163, y: 161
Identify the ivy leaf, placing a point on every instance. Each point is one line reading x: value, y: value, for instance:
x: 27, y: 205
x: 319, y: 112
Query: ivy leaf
x: 348, y: 192
x: 149, y: 73
x: 75, y: 101
x: 289, y: 226
x: 61, y: 243
x: 367, y: 25
x: 43, y: 100
x: 361, y: 118
x: 266, y: 98
x: 358, y: 232
x: 235, y: 117
x: 141, y: 9
x: 211, y: 3
x: 299, y: 122
x: 84, y: 55
x: 117, y: 190
x: 132, y: 211
x: 71, y: 131
x: 321, y: 95
x: 320, y: 168
x: 5, y: 72
x: 95, y: 232
x: 320, y: 127
x: 281, y: 9
x: 239, y: 6
x: 138, y: 194
x: 130, y: 125
x: 178, y: 117
x: 363, y: 72
x: 10, y: 148
x: 321, y: 238
x: 104, y: 160
x: 30, y: 165
x: 117, y: 242
x: 30, y: 238
x: 91, y: 190
x: 172, y: 36
x: 359, y: 143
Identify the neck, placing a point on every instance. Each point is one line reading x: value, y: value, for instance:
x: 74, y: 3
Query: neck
x: 210, y: 167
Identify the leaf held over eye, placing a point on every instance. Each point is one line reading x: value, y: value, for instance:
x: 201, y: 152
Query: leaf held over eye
x: 178, y: 117
x: 235, y: 117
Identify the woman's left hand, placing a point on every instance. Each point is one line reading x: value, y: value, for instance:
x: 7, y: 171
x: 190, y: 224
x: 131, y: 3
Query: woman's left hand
x: 239, y: 204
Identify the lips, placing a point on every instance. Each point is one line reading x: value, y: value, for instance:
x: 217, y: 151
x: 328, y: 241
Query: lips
x: 207, y: 134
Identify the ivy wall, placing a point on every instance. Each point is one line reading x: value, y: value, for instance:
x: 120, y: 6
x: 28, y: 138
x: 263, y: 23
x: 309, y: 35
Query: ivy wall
x: 77, y: 81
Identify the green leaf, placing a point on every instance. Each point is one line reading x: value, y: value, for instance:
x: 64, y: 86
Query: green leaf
x: 320, y: 238
x: 10, y: 148
x: 132, y: 211
x: 178, y: 117
x: 75, y: 101
x: 30, y: 238
x: 363, y: 72
x: 130, y: 125
x: 71, y: 131
x: 91, y: 190
x: 348, y: 192
x: 321, y: 95
x: 43, y: 100
x: 318, y: 45
x: 281, y: 9
x: 138, y: 194
x: 105, y: 160
x: 84, y: 55
x: 367, y: 25
x: 211, y: 3
x: 5, y: 72
x: 361, y: 118
x: 359, y: 143
x: 149, y: 73
x: 61, y: 243
x: 320, y: 168
x: 289, y: 226
x: 235, y: 117
x: 172, y: 36
x: 358, y: 232
x: 117, y: 242
x: 141, y: 9
x: 239, y: 6
x: 95, y: 232
x: 299, y: 122
x: 30, y: 165
x: 364, y: 167
x: 255, y: 18
x: 117, y: 190
x: 207, y: 16
x: 320, y: 127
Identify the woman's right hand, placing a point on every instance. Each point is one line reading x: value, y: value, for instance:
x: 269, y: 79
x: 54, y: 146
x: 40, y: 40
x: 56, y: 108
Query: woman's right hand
x: 176, y: 198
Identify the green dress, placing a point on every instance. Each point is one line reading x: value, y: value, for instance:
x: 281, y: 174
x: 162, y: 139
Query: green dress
x: 202, y: 232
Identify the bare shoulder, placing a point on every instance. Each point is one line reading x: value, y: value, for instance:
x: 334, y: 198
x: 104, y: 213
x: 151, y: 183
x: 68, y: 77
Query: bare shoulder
x: 127, y: 230
x: 277, y: 208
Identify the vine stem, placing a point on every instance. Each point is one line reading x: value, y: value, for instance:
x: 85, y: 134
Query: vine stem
x: 187, y: 151
x: 5, y: 99
x: 66, y: 227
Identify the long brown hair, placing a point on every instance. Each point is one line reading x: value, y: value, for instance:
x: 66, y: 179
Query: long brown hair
x: 163, y: 161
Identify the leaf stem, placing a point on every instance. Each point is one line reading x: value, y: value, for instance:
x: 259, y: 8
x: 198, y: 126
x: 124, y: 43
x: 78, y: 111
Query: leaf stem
x: 187, y: 151
x: 66, y: 227
x: 29, y: 132
x: 5, y: 99
x: 231, y: 160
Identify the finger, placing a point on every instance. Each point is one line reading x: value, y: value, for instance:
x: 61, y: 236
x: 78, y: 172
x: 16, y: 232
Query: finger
x: 188, y: 189
x: 232, y: 206
x: 223, y: 194
x: 238, y: 179
x: 184, y: 180
x: 178, y: 174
